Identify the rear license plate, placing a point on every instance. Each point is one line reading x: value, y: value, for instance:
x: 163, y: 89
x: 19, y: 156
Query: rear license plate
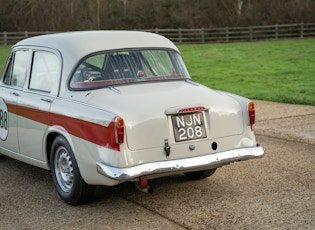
x: 189, y: 126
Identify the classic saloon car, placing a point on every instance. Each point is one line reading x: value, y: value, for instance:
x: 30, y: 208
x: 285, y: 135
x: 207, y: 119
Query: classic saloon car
x: 106, y: 107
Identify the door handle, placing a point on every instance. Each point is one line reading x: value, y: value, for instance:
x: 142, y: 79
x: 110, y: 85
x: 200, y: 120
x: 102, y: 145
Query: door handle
x: 47, y: 100
x: 15, y: 94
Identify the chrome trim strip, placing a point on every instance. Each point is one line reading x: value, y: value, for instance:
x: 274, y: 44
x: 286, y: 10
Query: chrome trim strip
x: 208, y: 161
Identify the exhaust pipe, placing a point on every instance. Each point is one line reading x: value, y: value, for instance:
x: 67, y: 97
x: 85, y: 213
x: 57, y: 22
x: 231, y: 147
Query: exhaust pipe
x: 142, y: 185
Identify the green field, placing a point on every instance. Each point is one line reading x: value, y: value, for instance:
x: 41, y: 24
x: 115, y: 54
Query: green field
x: 4, y: 51
x: 282, y: 71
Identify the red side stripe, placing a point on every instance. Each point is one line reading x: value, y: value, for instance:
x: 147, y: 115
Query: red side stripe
x: 95, y: 133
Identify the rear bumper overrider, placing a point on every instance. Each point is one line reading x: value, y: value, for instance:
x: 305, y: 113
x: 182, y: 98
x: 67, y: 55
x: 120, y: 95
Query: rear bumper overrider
x: 215, y: 160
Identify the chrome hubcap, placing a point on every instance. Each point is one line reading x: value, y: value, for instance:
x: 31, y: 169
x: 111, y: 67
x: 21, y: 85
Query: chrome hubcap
x: 64, y: 169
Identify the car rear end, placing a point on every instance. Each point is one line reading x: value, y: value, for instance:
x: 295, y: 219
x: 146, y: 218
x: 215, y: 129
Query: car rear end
x: 204, y: 130
x: 164, y: 122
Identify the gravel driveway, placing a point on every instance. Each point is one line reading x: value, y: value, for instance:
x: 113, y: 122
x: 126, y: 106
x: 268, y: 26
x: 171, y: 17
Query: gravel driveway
x: 274, y: 192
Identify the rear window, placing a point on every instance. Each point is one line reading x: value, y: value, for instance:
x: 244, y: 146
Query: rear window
x: 128, y: 66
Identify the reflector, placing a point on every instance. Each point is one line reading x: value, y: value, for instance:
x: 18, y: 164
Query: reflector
x: 192, y: 109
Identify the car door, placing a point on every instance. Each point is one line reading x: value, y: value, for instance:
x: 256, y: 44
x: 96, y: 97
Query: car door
x: 12, y: 84
x: 35, y: 102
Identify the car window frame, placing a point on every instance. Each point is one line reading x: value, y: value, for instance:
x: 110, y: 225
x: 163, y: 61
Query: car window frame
x: 33, y: 54
x: 9, y: 67
x: 123, y: 82
x: 32, y: 50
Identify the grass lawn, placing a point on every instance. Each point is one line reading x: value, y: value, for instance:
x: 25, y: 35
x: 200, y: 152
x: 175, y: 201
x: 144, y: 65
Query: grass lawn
x: 4, y: 51
x: 282, y: 71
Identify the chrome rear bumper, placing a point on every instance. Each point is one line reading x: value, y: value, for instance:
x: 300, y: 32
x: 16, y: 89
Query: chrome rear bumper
x: 188, y: 164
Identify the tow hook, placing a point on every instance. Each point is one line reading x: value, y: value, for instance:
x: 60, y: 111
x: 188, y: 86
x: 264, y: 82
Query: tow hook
x: 167, y: 148
x: 142, y: 185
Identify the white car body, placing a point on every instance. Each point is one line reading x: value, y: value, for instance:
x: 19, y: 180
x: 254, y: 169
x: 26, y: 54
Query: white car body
x: 85, y: 113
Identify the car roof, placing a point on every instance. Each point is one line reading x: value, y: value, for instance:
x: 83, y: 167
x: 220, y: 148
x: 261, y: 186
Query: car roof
x: 73, y: 46
x: 80, y: 43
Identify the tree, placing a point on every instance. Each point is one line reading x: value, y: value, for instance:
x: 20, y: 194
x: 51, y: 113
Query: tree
x: 64, y: 15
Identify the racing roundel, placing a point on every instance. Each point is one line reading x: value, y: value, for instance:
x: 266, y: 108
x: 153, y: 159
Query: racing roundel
x: 4, y: 120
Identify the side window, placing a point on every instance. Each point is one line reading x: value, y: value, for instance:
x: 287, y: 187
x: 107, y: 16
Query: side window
x: 44, y: 71
x: 17, y: 69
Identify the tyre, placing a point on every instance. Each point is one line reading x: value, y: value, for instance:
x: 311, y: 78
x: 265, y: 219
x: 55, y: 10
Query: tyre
x: 66, y: 175
x: 197, y: 175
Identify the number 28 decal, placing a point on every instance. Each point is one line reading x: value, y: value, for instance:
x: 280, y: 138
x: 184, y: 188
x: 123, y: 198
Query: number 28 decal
x: 4, y: 120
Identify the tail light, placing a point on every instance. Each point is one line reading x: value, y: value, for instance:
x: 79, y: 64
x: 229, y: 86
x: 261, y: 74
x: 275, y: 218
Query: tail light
x: 119, y: 130
x: 251, y: 114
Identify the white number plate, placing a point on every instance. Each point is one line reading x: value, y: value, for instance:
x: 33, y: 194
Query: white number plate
x: 189, y: 126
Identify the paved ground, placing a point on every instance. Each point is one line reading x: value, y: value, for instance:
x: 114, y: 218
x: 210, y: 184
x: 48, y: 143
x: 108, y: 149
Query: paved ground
x: 275, y: 192
x: 288, y: 122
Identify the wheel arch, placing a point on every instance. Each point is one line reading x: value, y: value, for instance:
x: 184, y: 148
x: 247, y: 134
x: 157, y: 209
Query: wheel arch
x: 53, y: 132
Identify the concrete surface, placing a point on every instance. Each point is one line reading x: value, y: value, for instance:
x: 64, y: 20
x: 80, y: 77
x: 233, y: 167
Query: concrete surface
x: 274, y: 192
x: 289, y: 122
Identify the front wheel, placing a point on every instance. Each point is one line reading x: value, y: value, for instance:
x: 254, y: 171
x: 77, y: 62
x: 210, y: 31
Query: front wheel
x: 197, y: 175
x: 66, y: 175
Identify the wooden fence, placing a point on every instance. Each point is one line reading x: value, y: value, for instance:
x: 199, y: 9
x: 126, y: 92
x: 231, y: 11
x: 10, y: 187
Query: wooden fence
x: 206, y: 35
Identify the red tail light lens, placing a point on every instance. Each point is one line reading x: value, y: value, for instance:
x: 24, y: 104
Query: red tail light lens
x: 119, y: 130
x: 251, y: 114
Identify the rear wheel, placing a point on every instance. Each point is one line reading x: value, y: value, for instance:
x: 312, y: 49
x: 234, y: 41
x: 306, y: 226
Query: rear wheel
x: 197, y: 175
x: 66, y: 175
